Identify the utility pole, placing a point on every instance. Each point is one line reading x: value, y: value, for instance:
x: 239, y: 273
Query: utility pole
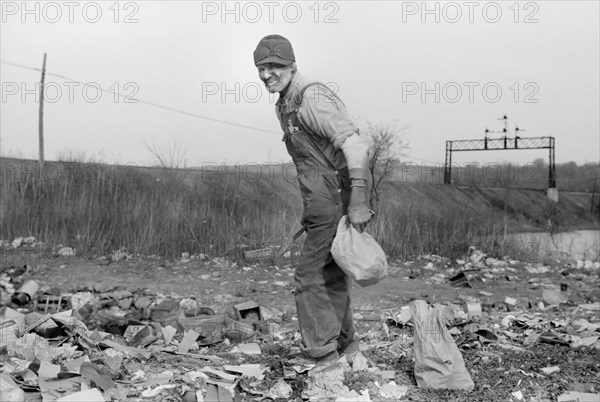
x: 41, y: 120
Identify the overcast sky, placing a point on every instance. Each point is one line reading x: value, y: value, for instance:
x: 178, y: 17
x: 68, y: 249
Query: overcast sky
x: 447, y: 69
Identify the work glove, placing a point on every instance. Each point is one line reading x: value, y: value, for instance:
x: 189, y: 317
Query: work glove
x: 359, y: 213
x: 355, y: 150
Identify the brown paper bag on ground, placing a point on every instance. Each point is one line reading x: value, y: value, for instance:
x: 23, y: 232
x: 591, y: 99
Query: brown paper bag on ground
x: 438, y: 361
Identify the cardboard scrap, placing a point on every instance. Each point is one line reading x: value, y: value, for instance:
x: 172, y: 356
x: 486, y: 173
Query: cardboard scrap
x: 590, y: 306
x: 132, y: 331
x: 405, y: 315
x: 474, y: 310
x: 552, y: 297
x: 9, y: 331
x: 159, y: 379
x: 35, y: 320
x: 587, y: 341
x: 117, y: 393
x: 215, y: 359
x: 89, y: 395
x: 217, y: 393
x: 31, y: 346
x: 531, y: 339
x: 393, y: 391
x: 74, y: 365
x: 209, y: 327
x: 584, y: 325
x: 250, y: 370
x: 151, y: 393
x: 270, y: 313
x: 9, y: 390
x: 48, y: 370
x: 191, y: 376
x: 53, y: 389
x: 9, y: 314
x: 325, y: 383
x: 387, y: 374
x: 249, y: 310
x: 249, y: 348
x: 550, y: 370
x: 113, y: 362
x: 353, y: 396
x: 188, y: 340
x: 137, y: 352
x: 168, y: 333
x: 51, y: 353
x: 459, y: 280
x: 573, y: 396
x: 220, y: 374
x: 98, y: 375
x: 280, y: 390
x: 14, y: 364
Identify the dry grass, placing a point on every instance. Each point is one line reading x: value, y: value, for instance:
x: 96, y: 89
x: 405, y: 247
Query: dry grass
x: 99, y: 208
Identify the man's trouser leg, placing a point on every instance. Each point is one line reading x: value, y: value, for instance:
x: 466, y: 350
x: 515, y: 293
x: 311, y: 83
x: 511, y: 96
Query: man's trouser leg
x: 322, y: 294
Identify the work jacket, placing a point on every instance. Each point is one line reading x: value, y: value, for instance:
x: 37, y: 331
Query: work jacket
x: 315, y: 125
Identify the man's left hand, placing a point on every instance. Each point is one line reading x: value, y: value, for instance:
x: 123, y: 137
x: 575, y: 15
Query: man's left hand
x: 359, y: 216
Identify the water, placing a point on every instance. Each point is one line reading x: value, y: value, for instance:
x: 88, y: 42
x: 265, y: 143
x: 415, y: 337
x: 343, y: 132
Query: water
x: 579, y: 244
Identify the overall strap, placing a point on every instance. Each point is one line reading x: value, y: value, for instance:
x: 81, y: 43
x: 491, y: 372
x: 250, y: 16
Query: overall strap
x: 301, y: 96
x: 309, y: 132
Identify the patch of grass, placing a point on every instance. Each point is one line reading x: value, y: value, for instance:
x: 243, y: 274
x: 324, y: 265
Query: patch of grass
x: 98, y: 209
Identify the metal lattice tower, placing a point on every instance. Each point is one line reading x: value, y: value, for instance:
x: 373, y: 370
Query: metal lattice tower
x: 504, y: 143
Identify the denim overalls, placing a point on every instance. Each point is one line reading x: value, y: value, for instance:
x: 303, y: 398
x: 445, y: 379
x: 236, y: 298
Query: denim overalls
x: 321, y: 287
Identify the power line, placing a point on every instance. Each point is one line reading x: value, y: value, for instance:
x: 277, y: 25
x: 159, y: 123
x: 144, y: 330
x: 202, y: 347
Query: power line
x: 171, y: 109
x: 20, y: 66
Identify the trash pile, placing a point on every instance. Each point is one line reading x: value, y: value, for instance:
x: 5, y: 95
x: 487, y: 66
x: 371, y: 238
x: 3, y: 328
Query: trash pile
x: 476, y: 324
x: 31, y: 248
x: 478, y: 268
x: 550, y: 314
x: 102, y: 343
x: 113, y: 344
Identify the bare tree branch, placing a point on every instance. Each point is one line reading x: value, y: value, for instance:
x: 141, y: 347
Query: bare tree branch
x: 385, y: 150
x: 171, y: 158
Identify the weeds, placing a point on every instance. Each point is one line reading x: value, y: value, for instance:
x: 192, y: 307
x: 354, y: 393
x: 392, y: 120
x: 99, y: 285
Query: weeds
x: 98, y: 208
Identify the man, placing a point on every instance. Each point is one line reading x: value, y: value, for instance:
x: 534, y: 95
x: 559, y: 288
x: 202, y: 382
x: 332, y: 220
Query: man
x: 332, y: 165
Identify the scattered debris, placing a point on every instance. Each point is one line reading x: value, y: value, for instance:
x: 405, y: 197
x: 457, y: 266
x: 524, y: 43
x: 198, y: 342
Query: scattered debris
x: 552, y: 297
x: 25, y: 293
x: 393, y: 391
x: 467, y: 278
x: 111, y: 344
x: 550, y: 370
x: 66, y: 252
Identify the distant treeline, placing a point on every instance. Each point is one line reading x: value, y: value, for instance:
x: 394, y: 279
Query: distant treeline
x: 535, y: 175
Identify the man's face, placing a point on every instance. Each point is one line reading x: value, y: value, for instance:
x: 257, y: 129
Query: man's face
x: 275, y: 76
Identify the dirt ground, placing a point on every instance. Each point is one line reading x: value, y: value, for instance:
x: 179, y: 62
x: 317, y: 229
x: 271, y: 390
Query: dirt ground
x: 501, y: 368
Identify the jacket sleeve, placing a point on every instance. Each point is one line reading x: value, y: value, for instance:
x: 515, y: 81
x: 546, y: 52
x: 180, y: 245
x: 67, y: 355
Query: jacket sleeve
x: 326, y: 115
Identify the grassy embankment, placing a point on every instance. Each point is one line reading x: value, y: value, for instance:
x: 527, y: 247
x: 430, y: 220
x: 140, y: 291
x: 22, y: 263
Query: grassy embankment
x: 98, y: 209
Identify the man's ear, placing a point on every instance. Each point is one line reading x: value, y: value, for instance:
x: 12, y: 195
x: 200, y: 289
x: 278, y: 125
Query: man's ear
x: 294, y: 67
